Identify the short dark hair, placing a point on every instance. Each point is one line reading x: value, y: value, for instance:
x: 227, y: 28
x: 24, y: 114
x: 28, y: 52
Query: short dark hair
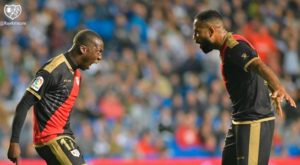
x: 85, y: 36
x: 209, y: 15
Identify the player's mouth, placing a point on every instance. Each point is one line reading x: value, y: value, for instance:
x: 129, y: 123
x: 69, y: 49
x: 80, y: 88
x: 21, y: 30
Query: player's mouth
x: 97, y: 61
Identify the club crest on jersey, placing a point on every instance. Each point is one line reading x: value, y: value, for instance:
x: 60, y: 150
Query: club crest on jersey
x: 37, y: 83
x: 75, y: 153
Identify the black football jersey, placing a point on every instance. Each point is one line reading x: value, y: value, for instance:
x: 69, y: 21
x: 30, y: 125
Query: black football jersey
x: 56, y: 86
x: 248, y: 91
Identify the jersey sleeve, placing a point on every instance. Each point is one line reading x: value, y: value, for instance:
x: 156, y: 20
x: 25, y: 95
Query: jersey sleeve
x: 242, y: 55
x: 21, y: 112
x: 42, y: 81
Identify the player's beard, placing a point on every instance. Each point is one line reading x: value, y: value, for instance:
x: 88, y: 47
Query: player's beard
x: 207, y: 46
x: 84, y: 66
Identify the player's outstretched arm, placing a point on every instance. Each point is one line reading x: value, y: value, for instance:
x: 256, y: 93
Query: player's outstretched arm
x: 278, y: 91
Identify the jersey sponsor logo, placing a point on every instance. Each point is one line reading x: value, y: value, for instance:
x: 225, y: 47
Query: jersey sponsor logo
x: 37, y: 83
x: 67, y: 80
x: 240, y: 157
x: 75, y: 153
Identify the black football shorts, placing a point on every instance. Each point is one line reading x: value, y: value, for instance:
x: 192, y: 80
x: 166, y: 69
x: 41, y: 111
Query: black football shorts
x: 62, y: 150
x: 249, y: 142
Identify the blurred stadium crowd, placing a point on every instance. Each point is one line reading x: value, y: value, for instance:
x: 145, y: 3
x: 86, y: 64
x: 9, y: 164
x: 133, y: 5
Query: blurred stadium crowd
x: 155, y: 94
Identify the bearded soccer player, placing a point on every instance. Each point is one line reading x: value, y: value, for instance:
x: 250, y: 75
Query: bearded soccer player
x: 249, y: 139
x: 53, y: 93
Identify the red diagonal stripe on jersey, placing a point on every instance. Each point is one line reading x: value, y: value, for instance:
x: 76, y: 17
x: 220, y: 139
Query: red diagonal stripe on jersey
x: 55, y: 125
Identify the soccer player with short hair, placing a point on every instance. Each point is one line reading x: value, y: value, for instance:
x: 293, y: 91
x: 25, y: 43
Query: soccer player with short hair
x: 53, y: 93
x: 247, y: 80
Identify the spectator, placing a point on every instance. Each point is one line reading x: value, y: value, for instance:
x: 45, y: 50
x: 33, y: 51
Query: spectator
x: 186, y: 133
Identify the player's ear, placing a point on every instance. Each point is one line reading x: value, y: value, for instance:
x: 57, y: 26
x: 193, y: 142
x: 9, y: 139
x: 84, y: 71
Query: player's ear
x: 211, y: 30
x: 83, y: 49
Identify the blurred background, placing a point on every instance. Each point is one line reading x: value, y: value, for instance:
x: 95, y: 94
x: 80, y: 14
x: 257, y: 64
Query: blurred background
x: 155, y: 94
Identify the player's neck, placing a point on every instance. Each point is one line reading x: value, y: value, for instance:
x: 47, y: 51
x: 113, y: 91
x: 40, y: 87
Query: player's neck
x: 73, y: 53
x: 221, y: 38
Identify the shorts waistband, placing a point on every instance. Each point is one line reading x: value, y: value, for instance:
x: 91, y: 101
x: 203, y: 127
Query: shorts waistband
x: 53, y: 140
x: 253, y: 121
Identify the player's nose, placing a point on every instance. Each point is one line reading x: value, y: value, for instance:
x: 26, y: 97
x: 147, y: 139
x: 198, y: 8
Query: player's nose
x: 99, y: 57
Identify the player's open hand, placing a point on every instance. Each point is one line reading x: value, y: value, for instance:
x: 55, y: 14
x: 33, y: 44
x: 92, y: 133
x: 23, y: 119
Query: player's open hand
x: 278, y: 96
x: 14, y: 152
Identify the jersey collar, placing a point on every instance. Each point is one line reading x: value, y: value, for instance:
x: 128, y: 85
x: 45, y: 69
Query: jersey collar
x: 71, y: 61
x: 227, y: 35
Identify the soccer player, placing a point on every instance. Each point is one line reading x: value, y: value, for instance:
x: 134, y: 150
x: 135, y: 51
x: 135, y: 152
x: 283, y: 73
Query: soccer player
x: 247, y: 80
x: 53, y: 93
